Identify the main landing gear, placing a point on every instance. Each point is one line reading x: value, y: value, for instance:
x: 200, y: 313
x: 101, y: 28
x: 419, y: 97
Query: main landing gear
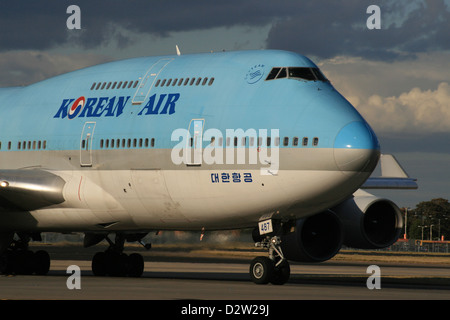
x: 18, y: 259
x: 113, y: 262
x: 275, y: 268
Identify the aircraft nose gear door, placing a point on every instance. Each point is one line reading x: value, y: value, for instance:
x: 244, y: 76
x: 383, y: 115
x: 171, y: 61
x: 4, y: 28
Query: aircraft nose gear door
x: 86, y: 144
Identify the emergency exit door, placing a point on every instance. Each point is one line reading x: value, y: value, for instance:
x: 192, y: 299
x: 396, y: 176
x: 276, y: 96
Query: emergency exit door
x: 194, y: 142
x: 148, y: 80
x: 87, y: 136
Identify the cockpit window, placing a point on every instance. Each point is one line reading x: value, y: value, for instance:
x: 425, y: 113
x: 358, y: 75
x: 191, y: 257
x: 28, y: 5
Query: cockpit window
x: 319, y: 75
x: 308, y: 74
x: 282, y: 73
x: 302, y: 73
x: 273, y: 73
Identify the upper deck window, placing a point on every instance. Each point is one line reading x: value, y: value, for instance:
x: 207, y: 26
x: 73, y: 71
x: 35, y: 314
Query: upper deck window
x: 304, y: 73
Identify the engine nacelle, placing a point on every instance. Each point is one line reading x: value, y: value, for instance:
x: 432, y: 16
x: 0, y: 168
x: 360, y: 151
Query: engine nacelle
x: 369, y: 222
x: 314, y: 239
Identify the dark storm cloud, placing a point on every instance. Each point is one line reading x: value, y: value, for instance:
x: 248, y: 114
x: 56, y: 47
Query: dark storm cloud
x: 408, y: 142
x: 339, y: 28
x: 31, y: 24
x: 319, y: 28
x: 42, y: 24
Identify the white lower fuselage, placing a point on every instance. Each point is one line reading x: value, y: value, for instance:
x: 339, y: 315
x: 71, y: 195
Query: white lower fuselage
x: 190, y: 197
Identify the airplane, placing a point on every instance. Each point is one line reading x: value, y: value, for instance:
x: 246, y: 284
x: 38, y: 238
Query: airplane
x: 196, y: 142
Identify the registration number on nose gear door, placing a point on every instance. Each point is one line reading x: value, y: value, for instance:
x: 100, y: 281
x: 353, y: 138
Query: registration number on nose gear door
x: 265, y: 227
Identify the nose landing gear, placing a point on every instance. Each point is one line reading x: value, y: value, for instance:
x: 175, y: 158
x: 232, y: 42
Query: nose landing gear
x: 275, y: 268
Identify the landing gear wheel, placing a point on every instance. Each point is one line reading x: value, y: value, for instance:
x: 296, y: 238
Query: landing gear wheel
x: 261, y: 270
x: 23, y: 262
x: 117, y: 264
x: 99, y: 264
x: 275, y: 268
x: 135, y: 265
x: 7, y: 262
x: 281, y: 273
x: 41, y: 262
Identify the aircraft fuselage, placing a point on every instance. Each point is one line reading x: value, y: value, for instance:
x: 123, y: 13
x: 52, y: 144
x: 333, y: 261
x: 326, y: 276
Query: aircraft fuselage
x: 212, y: 141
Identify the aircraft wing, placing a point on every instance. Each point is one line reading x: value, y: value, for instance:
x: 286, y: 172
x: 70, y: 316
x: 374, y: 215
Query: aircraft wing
x: 29, y: 189
x: 393, y: 176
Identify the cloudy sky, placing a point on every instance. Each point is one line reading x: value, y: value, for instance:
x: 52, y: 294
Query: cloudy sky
x: 398, y: 77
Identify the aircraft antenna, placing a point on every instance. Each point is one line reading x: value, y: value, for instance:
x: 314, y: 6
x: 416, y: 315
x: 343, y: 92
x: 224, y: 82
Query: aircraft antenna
x: 178, y: 50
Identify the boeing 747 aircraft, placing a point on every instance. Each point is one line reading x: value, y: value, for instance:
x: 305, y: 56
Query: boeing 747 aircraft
x: 216, y: 141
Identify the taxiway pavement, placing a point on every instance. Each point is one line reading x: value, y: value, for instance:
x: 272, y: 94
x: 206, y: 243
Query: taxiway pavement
x: 223, y: 278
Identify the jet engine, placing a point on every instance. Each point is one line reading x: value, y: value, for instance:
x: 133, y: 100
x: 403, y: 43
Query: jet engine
x: 314, y: 239
x: 369, y: 222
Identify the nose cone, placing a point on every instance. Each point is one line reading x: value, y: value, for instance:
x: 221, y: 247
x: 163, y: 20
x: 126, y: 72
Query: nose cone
x: 356, y: 148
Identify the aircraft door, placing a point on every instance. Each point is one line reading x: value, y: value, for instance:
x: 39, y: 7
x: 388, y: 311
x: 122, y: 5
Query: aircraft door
x: 148, y: 80
x: 86, y: 144
x: 195, y: 142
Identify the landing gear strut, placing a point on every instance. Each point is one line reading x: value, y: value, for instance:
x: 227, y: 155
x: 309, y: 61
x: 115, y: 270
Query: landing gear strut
x: 275, y: 268
x: 113, y: 262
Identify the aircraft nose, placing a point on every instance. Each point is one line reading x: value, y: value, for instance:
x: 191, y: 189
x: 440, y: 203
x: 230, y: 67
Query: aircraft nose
x: 356, y: 148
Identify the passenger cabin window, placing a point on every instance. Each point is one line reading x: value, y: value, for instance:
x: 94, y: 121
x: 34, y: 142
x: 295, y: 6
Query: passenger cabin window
x: 315, y: 142
x: 276, y: 141
x: 305, y: 141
